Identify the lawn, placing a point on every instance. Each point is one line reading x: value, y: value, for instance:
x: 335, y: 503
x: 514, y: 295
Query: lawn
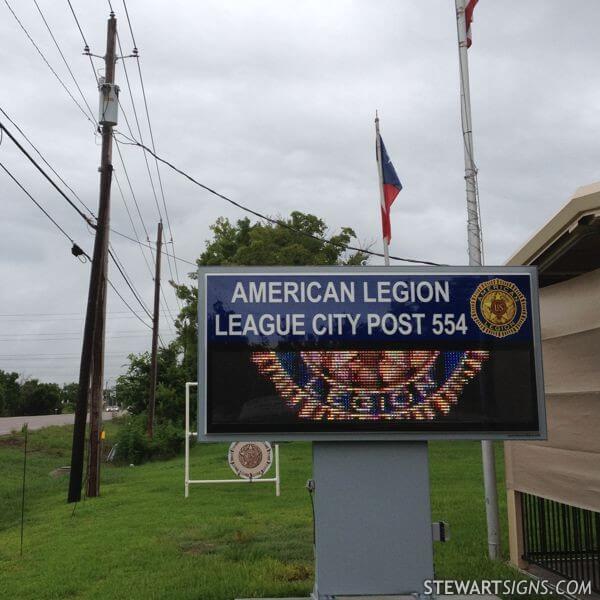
x: 142, y: 539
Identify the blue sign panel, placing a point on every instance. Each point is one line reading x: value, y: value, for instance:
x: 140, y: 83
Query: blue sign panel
x: 375, y: 353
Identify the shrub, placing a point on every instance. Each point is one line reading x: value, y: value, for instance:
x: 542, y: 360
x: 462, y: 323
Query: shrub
x: 134, y: 446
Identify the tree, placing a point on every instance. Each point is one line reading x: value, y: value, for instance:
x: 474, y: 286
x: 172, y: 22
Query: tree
x: 68, y: 396
x: 297, y: 241
x: 131, y: 389
x: 9, y: 394
x: 39, y: 398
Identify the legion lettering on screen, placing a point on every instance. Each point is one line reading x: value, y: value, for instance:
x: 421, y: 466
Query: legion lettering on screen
x: 355, y: 351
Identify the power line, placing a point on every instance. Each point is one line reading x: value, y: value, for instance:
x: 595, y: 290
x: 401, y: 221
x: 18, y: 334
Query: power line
x: 48, y: 64
x: 81, y: 214
x: 49, y: 355
x: 133, y: 105
x: 16, y: 339
x: 134, y: 142
x: 137, y: 241
x: 50, y: 218
x: 137, y: 237
x: 86, y: 45
x: 66, y: 314
x: 64, y: 59
x: 139, y: 129
x: 46, y: 162
x: 127, y: 281
x: 137, y: 206
x: 116, y: 291
x: 77, y: 248
x: 162, y: 191
x: 50, y: 180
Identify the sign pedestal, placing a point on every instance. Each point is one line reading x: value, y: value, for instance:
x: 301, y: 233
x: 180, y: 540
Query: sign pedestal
x: 372, y: 519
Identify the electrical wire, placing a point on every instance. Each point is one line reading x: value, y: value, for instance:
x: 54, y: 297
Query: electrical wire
x: 137, y: 241
x: 134, y: 142
x: 137, y: 237
x: 162, y: 191
x: 128, y: 282
x: 137, y: 206
x: 86, y: 45
x: 48, y: 215
x: 64, y: 60
x: 46, y: 162
x: 141, y: 138
x: 48, y: 64
x: 75, y: 245
x: 85, y: 217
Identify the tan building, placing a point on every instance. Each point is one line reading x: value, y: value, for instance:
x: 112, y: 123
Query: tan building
x: 554, y: 486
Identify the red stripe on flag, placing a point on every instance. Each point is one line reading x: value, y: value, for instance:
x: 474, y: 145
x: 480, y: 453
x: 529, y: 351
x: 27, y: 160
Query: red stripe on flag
x: 469, y: 19
x: 389, y: 195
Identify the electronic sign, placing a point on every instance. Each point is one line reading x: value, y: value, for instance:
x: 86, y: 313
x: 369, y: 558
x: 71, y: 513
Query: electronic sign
x: 372, y: 353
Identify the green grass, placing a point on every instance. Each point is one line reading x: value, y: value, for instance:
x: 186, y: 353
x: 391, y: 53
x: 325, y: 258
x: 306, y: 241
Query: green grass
x: 142, y: 539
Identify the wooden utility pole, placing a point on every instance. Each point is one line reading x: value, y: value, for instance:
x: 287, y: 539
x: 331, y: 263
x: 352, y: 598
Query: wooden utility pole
x: 155, y: 322
x: 96, y: 393
x: 96, y: 305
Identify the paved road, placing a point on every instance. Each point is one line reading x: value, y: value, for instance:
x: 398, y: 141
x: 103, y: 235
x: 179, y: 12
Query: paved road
x: 8, y: 424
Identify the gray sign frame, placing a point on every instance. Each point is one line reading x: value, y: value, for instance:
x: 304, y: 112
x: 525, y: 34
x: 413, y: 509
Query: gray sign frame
x: 531, y: 271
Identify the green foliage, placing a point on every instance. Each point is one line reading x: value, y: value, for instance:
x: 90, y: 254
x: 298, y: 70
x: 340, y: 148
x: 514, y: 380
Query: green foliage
x: 132, y: 388
x: 223, y: 542
x: 242, y: 243
x: 135, y: 447
x: 31, y: 397
x: 40, y: 398
x: 260, y: 243
x: 298, y: 240
x: 68, y: 396
x: 9, y: 394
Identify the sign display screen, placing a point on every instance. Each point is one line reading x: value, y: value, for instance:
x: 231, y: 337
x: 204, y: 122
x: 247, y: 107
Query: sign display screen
x: 369, y: 353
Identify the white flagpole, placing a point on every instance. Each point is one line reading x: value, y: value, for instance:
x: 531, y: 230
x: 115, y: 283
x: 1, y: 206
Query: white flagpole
x: 475, y: 247
x: 386, y: 246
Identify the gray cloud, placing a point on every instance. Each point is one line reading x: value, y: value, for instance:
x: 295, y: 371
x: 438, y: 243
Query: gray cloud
x: 273, y: 104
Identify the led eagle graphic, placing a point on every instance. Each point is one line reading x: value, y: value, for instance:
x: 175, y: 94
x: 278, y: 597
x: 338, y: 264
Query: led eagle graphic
x: 400, y: 385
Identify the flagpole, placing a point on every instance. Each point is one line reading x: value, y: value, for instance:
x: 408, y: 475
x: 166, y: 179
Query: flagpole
x: 386, y: 245
x: 475, y: 248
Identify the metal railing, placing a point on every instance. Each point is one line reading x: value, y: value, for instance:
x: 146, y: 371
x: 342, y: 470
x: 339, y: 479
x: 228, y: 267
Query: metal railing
x: 561, y: 538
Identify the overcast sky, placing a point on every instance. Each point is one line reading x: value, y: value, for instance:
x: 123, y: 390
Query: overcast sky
x: 273, y: 104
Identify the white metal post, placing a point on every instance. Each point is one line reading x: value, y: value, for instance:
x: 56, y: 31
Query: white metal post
x: 187, y: 481
x: 277, y: 478
x: 187, y: 436
x: 475, y: 247
x: 473, y: 224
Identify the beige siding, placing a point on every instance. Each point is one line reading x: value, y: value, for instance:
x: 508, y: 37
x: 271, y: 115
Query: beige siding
x: 566, y: 467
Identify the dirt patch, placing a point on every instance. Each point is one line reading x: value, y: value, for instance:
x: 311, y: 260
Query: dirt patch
x: 295, y: 573
x: 60, y: 472
x: 243, y: 537
x: 11, y: 441
x: 197, y: 548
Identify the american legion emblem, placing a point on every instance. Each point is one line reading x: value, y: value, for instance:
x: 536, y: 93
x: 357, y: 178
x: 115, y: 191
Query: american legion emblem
x: 401, y: 385
x: 250, y: 460
x: 498, y: 308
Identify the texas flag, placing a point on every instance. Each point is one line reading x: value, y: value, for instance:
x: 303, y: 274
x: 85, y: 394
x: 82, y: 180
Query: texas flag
x: 391, y: 188
x: 469, y: 8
